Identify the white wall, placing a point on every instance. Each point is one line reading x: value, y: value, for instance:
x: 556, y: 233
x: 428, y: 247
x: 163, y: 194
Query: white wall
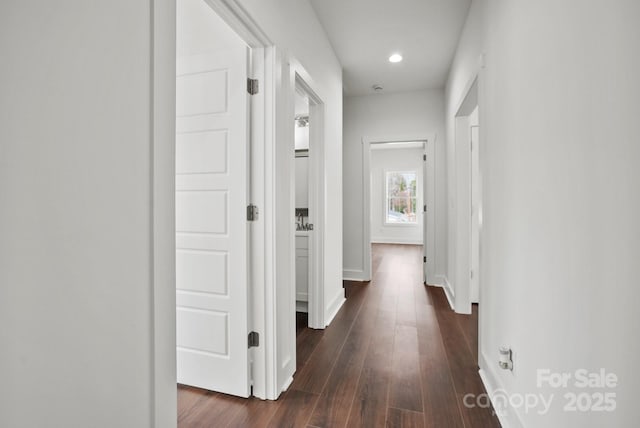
x: 560, y: 236
x: 420, y: 112
x: 383, y: 160
x: 75, y: 215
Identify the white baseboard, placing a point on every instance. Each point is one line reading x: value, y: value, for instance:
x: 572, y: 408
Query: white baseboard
x: 509, y: 418
x: 448, y: 291
x: 442, y: 282
x: 353, y: 275
x: 302, y: 306
x: 396, y: 241
x: 432, y: 279
x: 334, y: 307
x: 438, y: 281
x: 287, y: 384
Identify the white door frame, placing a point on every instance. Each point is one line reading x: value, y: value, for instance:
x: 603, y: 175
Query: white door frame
x: 292, y: 74
x: 462, y: 216
x: 316, y: 197
x: 475, y: 222
x: 163, y: 245
x: 263, y: 130
x: 428, y: 198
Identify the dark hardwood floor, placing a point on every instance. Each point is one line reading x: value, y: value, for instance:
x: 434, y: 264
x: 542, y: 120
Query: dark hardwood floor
x: 394, y: 356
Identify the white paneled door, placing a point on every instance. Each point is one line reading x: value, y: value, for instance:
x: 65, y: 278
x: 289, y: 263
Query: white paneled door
x: 212, y: 179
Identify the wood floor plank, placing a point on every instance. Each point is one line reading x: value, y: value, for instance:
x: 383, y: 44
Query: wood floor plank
x: 188, y: 397
x: 294, y: 410
x: 429, y: 335
x: 463, y: 368
x: 469, y: 327
x: 313, y: 375
x: 306, y: 342
x: 406, y: 392
x: 406, y: 300
x: 380, y: 350
x: 422, y: 295
x: 440, y: 398
x: 256, y: 414
x: 369, y: 408
x: 332, y: 409
x: 213, y: 410
x: 334, y: 404
x: 400, y: 418
x: 439, y: 394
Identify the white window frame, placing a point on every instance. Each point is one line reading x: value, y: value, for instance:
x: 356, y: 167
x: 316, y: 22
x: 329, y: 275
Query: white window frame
x: 385, y: 199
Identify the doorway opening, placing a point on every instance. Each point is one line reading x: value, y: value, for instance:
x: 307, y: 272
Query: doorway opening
x: 308, y: 176
x: 399, y: 196
x: 304, y: 226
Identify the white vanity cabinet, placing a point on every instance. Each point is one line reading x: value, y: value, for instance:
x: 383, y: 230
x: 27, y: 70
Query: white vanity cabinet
x: 302, y: 270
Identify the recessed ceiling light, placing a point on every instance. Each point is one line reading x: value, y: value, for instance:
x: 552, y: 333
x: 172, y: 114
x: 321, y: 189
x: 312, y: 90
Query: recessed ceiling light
x: 395, y: 58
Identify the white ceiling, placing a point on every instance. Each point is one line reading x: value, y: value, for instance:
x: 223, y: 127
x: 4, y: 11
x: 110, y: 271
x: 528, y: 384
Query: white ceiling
x: 364, y: 33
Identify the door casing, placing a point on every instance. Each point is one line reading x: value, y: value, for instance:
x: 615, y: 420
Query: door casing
x: 429, y: 245
x: 316, y: 196
x: 460, y: 293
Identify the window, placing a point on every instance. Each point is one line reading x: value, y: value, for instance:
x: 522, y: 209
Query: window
x: 401, y: 197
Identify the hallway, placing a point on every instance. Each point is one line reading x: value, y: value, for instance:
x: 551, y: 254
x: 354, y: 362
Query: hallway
x: 395, y: 355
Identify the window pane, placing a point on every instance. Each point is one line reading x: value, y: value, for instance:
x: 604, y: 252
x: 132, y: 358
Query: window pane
x: 401, y: 197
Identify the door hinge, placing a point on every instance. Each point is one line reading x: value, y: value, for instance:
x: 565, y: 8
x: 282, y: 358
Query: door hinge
x: 252, y: 213
x: 253, y: 86
x: 424, y: 259
x: 471, y: 274
x: 254, y: 339
x: 424, y: 208
x: 424, y: 157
